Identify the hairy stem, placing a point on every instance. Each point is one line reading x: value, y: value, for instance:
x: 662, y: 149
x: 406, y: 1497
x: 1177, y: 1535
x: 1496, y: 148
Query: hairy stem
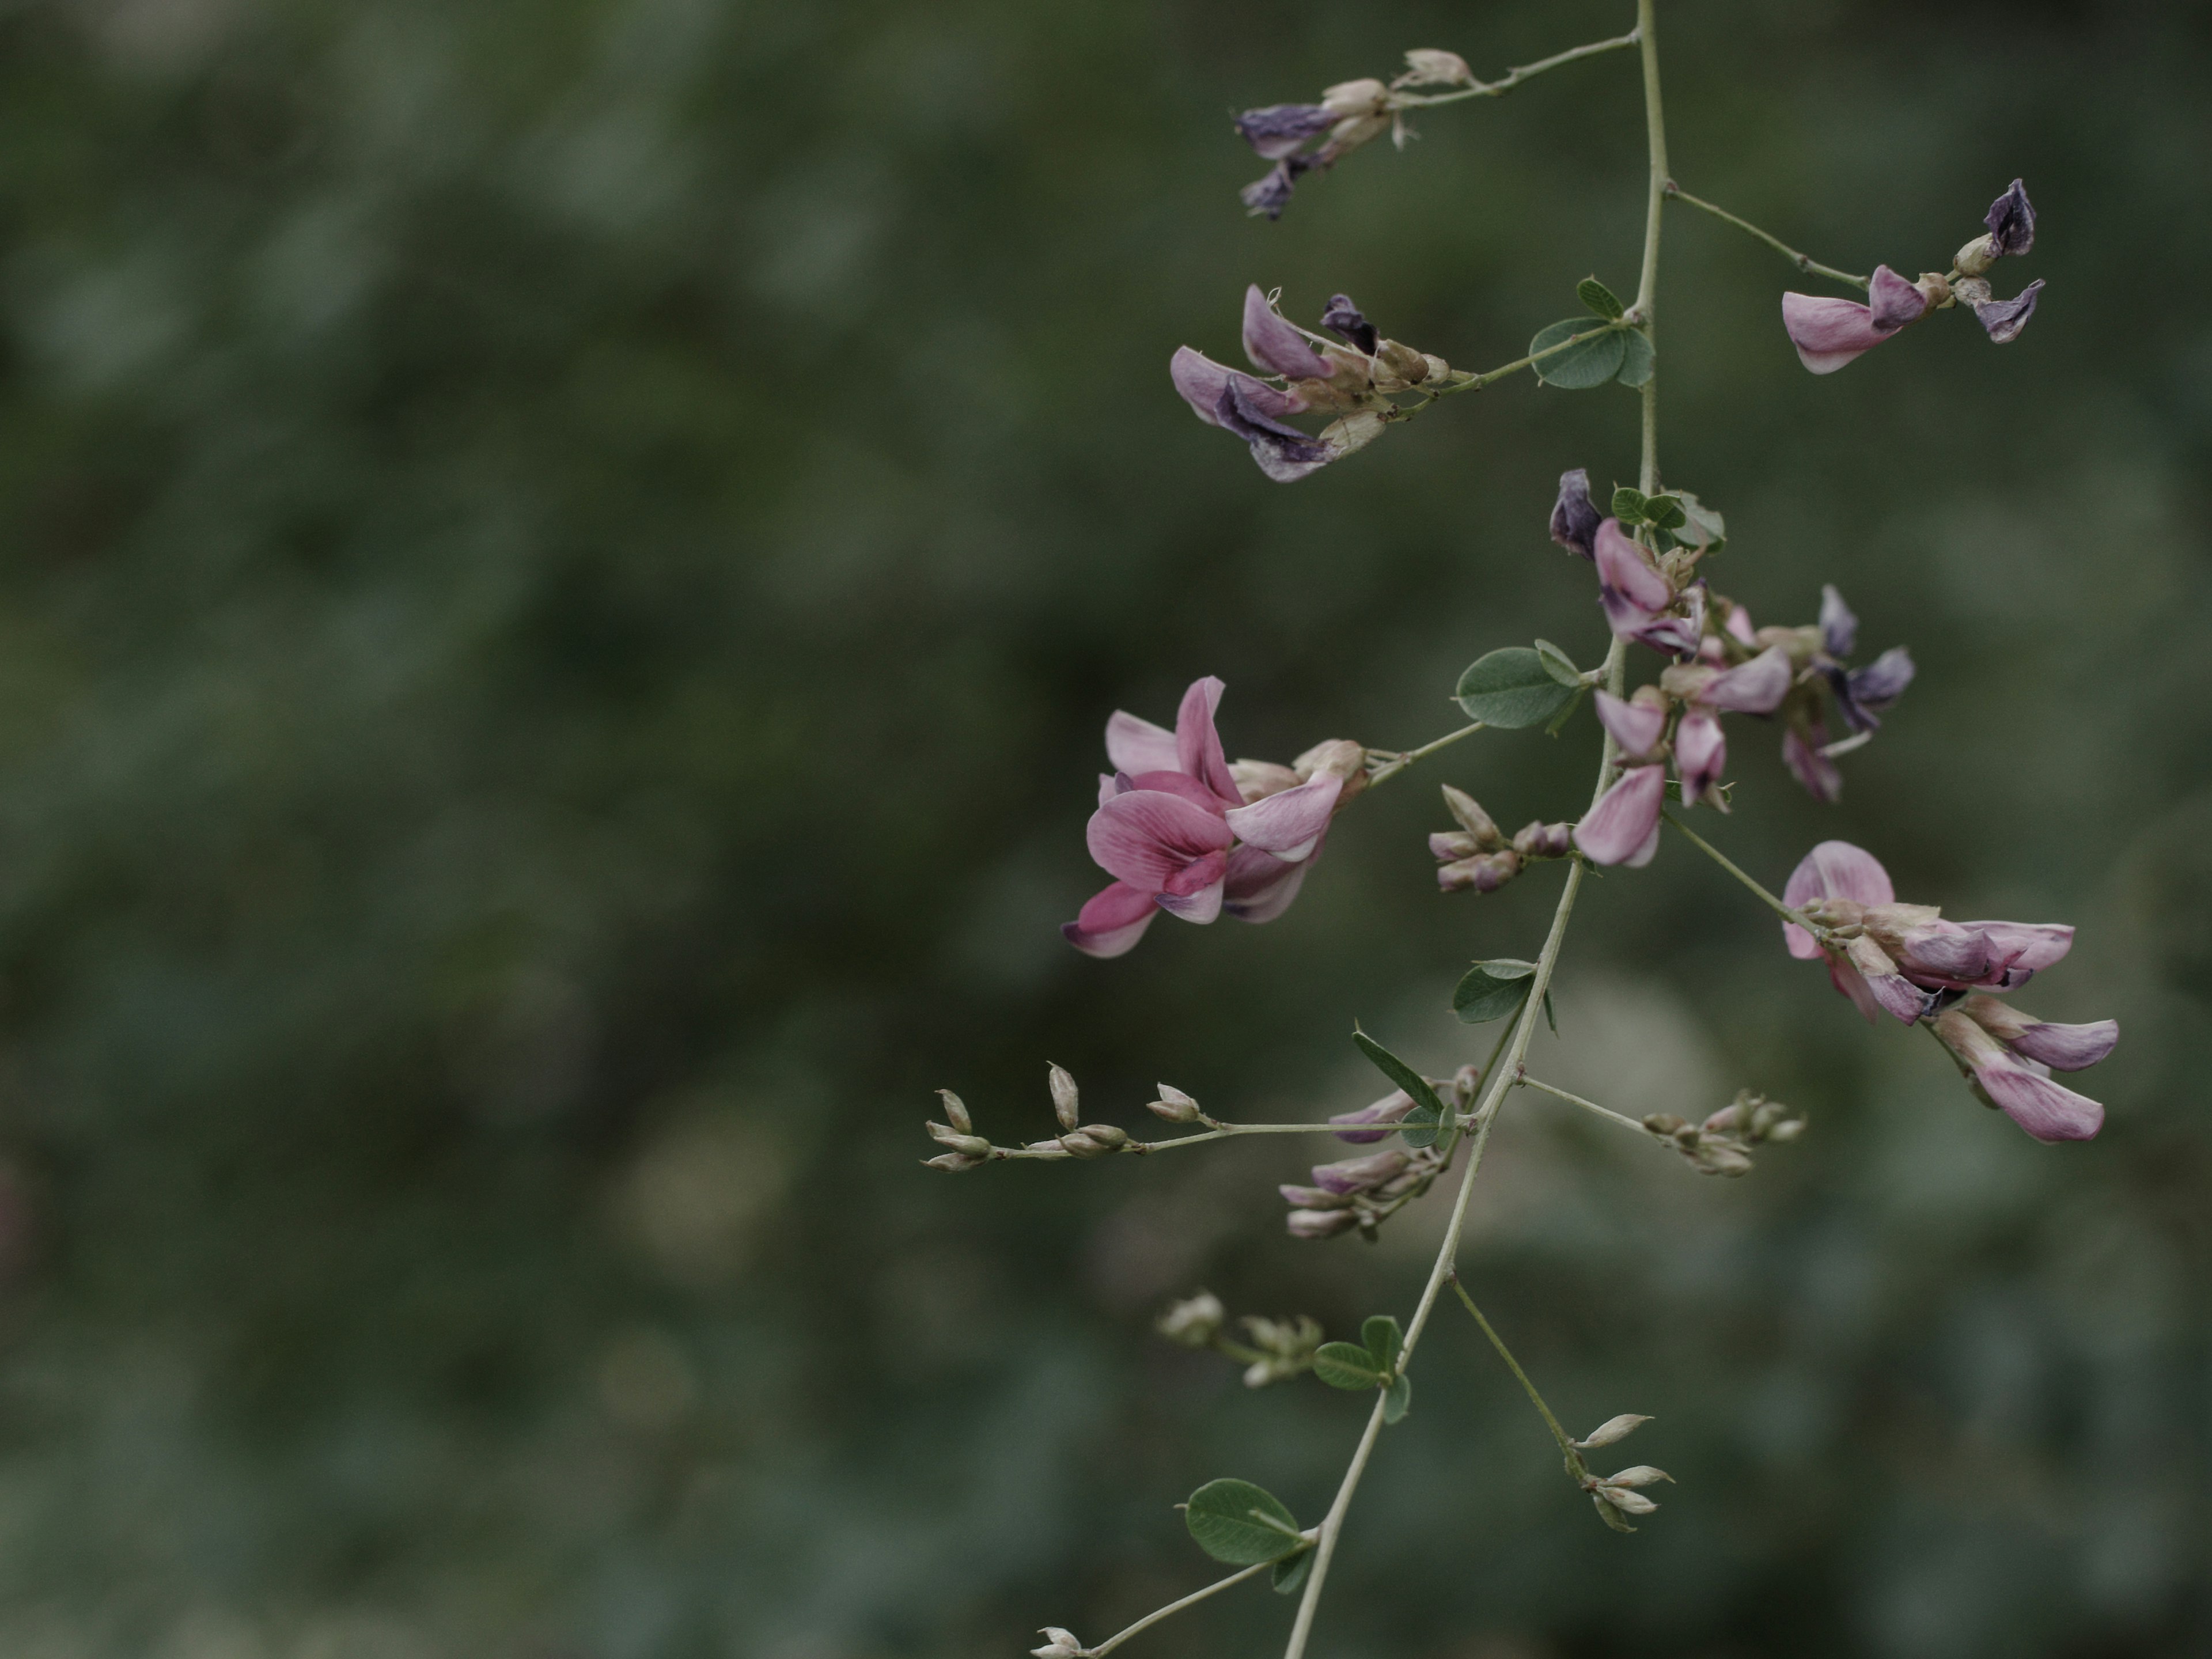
x: 1398, y: 763
x: 1174, y: 1607
x: 1587, y: 1105
x: 1804, y: 262
x: 1731, y: 866
x: 1515, y: 77
x: 1567, y: 1443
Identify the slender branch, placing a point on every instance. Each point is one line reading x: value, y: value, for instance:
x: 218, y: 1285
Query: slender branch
x: 1220, y: 1132
x: 1515, y: 77
x: 1174, y: 1607
x: 1398, y: 763
x: 1476, y: 382
x: 1567, y: 1448
x: 1730, y: 866
x: 1804, y: 262
x: 1587, y: 1105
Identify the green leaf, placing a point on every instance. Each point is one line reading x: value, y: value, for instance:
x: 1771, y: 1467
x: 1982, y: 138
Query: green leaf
x: 1558, y: 664
x: 1510, y: 689
x: 1243, y: 1524
x: 1666, y: 512
x: 1578, y: 367
x: 1418, y: 1129
x: 1628, y: 505
x: 1403, y: 1075
x: 1346, y: 1366
x: 1398, y: 1400
x: 1599, y: 298
x: 1383, y: 1338
x: 1290, y: 1573
x: 1550, y: 1019
x: 1492, y: 990
x: 1637, y: 358
x: 1704, y: 524
x: 1566, y: 711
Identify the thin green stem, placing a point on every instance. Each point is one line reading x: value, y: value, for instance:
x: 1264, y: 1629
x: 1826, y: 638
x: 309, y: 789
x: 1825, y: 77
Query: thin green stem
x: 1730, y: 866
x: 1587, y: 1105
x: 1174, y: 1607
x: 1567, y: 1443
x: 1221, y: 1132
x: 1476, y: 382
x: 1398, y: 763
x: 1804, y: 262
x: 1515, y: 77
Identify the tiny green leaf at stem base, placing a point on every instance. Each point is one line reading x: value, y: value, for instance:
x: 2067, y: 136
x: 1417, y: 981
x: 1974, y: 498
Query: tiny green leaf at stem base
x: 1383, y: 1339
x: 1398, y: 1398
x: 1600, y: 298
x: 1290, y: 1574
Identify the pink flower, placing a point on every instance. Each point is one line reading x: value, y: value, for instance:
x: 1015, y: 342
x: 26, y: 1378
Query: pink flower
x: 1639, y: 602
x: 1179, y: 831
x: 2018, y: 1086
x: 1829, y: 333
x: 1623, y: 828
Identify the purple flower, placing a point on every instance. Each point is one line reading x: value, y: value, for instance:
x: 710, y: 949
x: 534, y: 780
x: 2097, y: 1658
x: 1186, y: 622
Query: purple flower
x: 1350, y: 1176
x: 1349, y: 114
x: 1575, y: 519
x: 2019, y: 1087
x: 1639, y: 602
x: 1179, y: 832
x: 1829, y: 333
x: 1700, y: 756
x: 2062, y: 1048
x: 1281, y: 130
x: 1391, y: 1109
x: 2004, y: 318
x: 1623, y: 828
x: 2012, y: 221
x: 1805, y: 753
x: 1320, y: 1224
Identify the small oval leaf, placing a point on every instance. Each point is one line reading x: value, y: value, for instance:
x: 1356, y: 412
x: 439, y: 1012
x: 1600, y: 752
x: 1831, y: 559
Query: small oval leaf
x: 1398, y: 1400
x: 1558, y: 664
x: 1637, y: 358
x: 1582, y: 365
x: 1599, y: 298
x: 1346, y: 1366
x: 1243, y: 1524
x: 1511, y: 689
x: 1383, y: 1339
x: 1290, y: 1573
x: 1492, y: 990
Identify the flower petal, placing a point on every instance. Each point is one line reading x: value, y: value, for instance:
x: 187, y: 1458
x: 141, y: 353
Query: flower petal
x: 1278, y: 130
x: 1145, y: 836
x: 1574, y: 519
x: 1834, y: 869
x: 2021, y: 948
x: 1893, y: 301
x: 1274, y: 345
x: 1347, y: 321
x: 2068, y: 1048
x: 1283, y: 453
x: 1112, y: 922
x: 1198, y: 745
x: 1839, y: 628
x: 1882, y: 681
x: 1391, y: 1109
x: 2012, y: 220
x: 1636, y: 726
x: 1700, y: 755
x: 1621, y: 567
x: 1756, y: 687
x: 2049, y: 1111
x: 2003, y: 319
x: 1260, y: 886
x: 1829, y: 333
x: 1289, y: 824
x: 1811, y: 767
x: 1194, y: 893
x: 1137, y: 746
x: 1845, y: 978
x: 1623, y: 827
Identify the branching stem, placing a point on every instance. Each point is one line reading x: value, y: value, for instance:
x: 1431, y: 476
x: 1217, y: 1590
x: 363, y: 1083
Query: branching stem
x: 1567, y: 1450
x: 1398, y: 763
x: 1174, y: 1607
x: 1804, y: 262
x: 1514, y: 77
x: 1731, y: 866
x: 1587, y: 1105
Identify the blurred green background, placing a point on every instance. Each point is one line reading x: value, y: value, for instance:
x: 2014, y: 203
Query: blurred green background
x: 566, y: 563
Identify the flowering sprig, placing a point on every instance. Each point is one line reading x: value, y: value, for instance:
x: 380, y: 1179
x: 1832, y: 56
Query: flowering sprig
x: 1182, y: 830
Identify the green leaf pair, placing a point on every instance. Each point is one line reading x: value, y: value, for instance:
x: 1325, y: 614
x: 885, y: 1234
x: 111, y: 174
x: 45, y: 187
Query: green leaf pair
x: 1516, y: 687
x: 1621, y: 353
x: 1370, y: 1364
x: 1244, y: 1525
x: 1496, y: 990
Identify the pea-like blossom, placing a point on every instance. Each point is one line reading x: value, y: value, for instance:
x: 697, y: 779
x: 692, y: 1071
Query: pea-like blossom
x: 1575, y: 516
x: 1829, y: 333
x: 1349, y: 114
x: 1906, y: 960
x: 1182, y: 830
x: 1641, y: 604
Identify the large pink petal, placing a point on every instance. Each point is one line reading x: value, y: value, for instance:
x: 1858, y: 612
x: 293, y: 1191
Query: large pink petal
x: 1620, y: 566
x: 1203, y: 382
x: 2023, y: 947
x: 1260, y: 886
x: 1834, y: 869
x: 1289, y: 824
x: 1194, y: 893
x: 1112, y: 922
x: 1175, y: 783
x: 1274, y: 345
x: 1144, y: 836
x: 1625, y: 824
x: 1198, y: 745
x: 2049, y: 1111
x: 1829, y: 333
x: 1756, y: 687
x: 1137, y: 746
x: 1636, y: 726
x: 1894, y: 301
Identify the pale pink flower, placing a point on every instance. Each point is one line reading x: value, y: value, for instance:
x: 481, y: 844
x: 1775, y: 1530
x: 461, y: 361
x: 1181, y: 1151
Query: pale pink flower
x: 1829, y: 333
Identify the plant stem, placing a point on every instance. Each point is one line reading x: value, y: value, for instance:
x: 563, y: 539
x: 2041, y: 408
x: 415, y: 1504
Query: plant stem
x: 1224, y: 1131
x: 1729, y: 864
x: 1566, y: 1444
x: 1476, y: 382
x: 1587, y: 1105
x: 1646, y: 309
x: 1398, y: 763
x: 1515, y: 77
x: 1174, y: 1607
x: 1803, y: 261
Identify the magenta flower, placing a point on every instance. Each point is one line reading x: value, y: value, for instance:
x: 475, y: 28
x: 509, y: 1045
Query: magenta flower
x: 1179, y: 830
x: 1829, y: 333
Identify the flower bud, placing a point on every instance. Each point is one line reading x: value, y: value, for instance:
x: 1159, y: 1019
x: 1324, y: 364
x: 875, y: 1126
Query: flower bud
x: 1539, y: 840
x: 1313, y: 1198
x: 1063, y: 1097
x: 1059, y: 1644
x: 955, y: 1113
x: 1642, y: 1475
x: 1317, y: 1224
x: 1093, y: 1140
x: 1612, y: 1430
x: 1977, y: 257
x: 1627, y: 1502
x: 1174, y: 1105
x: 1359, y: 1174
x: 1194, y: 1321
x: 1433, y: 66
x: 1471, y: 818
x: 953, y: 1161
x: 1486, y: 872
x: 1447, y: 845
x: 945, y: 1135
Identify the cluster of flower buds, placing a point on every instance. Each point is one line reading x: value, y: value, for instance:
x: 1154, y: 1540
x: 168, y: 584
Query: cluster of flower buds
x: 964, y: 1148
x: 1059, y: 1644
x: 1651, y: 593
x: 1829, y: 333
x: 1361, y: 1193
x: 1722, y: 1144
x: 1302, y: 138
x: 1351, y: 377
x: 1284, y: 1348
x: 1905, y: 960
x: 1477, y: 857
x: 1194, y: 1321
x: 1616, y: 1496
x: 1077, y: 1139
x: 1180, y: 829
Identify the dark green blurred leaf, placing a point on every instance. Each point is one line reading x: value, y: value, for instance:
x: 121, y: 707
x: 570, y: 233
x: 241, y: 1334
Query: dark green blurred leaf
x: 1492, y: 990
x: 1581, y: 366
x: 1558, y: 664
x: 1238, y: 1522
x: 1398, y: 1398
x: 1289, y: 1574
x: 1346, y: 1366
x: 1637, y: 358
x: 1383, y: 1339
x: 1423, y: 1094
x: 1665, y: 512
x: 1510, y: 689
x: 1628, y: 505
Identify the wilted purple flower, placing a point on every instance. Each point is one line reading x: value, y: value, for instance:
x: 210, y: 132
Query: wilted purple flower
x: 1391, y: 1109
x: 1349, y: 113
x: 1178, y: 833
x: 1281, y: 130
x: 1829, y: 333
x: 1574, y: 518
x: 2004, y: 318
x: 2011, y: 220
x: 1252, y: 409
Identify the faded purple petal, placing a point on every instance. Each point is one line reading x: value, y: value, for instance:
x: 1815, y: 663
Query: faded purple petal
x: 2004, y: 318
x: 1283, y: 453
x: 1278, y: 130
x: 1345, y: 320
x: 1274, y: 345
x: 1289, y: 824
x: 1839, y: 628
x: 1834, y: 869
x: 2012, y: 221
x: 1623, y: 828
x: 2018, y: 949
x: 1700, y: 755
x: 1198, y: 745
x: 1574, y: 518
x: 1882, y: 681
x: 1146, y: 837
x: 1359, y: 1175
x: 1636, y: 726
x: 1137, y: 746
x: 1204, y: 383
x: 2049, y: 1111
x: 1621, y: 569
x: 1811, y: 767
x: 2068, y: 1048
x: 1391, y: 1109
x: 1756, y: 687
x: 1112, y: 921
x: 1266, y: 196
x: 1260, y: 886
x: 1311, y: 1198
x: 1892, y: 300
x: 1319, y: 1223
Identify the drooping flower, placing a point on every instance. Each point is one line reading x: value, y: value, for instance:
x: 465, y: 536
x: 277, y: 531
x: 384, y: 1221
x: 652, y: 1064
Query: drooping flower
x: 2019, y: 1087
x: 2003, y: 319
x: 1575, y: 516
x: 1829, y: 333
x: 1349, y: 113
x: 1623, y: 828
x: 1182, y: 830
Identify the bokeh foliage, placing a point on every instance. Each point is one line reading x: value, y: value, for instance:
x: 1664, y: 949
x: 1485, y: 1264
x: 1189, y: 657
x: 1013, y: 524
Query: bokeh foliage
x: 566, y: 563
